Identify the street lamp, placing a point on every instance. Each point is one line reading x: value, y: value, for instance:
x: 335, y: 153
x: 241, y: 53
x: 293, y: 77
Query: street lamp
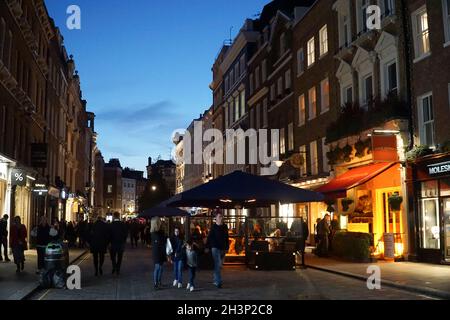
x: 153, y: 188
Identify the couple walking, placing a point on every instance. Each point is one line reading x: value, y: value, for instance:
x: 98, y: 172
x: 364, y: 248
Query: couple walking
x: 174, y: 250
x: 103, y: 235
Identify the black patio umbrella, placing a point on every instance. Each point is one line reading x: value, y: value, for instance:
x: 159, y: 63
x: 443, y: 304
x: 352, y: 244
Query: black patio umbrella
x: 162, y: 210
x: 240, y: 189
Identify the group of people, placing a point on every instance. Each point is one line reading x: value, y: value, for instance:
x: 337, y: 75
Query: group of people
x: 325, y: 230
x: 179, y: 253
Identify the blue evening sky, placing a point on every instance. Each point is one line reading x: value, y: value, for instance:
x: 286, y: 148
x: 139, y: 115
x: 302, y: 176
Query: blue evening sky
x: 145, y: 66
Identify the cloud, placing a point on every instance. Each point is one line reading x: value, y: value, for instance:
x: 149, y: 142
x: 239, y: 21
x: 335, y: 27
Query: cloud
x: 139, y: 113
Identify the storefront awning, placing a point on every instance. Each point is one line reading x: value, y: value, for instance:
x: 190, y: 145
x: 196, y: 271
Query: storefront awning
x: 337, y: 187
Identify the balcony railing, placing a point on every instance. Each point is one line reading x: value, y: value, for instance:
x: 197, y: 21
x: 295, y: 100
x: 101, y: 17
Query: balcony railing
x: 353, y: 119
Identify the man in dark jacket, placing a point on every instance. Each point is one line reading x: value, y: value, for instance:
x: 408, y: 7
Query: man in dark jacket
x: 219, y: 244
x: 4, y: 238
x: 42, y: 240
x: 98, y: 241
x: 323, y: 231
x: 118, y: 236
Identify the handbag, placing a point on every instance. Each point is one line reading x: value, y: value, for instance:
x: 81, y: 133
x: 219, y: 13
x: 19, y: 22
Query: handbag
x: 169, y: 249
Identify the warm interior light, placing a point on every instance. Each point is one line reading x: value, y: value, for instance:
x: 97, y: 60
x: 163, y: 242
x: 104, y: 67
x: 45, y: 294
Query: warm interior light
x: 279, y: 163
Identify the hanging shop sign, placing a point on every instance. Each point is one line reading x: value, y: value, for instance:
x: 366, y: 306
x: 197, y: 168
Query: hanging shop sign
x: 53, y: 192
x: 40, y: 188
x: 18, y: 178
x: 39, y: 155
x: 439, y: 168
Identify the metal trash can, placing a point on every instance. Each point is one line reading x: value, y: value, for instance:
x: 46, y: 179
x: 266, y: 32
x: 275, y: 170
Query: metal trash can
x: 56, y: 256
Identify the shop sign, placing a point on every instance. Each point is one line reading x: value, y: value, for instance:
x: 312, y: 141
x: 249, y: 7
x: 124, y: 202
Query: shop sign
x: 439, y: 168
x: 39, y: 155
x: 40, y: 188
x: 3, y: 169
x: 18, y: 178
x: 389, y: 246
x: 53, y: 192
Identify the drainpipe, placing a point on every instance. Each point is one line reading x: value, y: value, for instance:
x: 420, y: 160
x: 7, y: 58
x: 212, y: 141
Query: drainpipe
x: 408, y: 64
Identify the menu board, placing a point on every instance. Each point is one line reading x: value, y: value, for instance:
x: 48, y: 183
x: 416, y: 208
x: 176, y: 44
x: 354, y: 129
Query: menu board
x: 389, y: 246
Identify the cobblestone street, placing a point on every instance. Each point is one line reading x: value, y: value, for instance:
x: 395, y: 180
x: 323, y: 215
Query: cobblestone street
x: 135, y: 283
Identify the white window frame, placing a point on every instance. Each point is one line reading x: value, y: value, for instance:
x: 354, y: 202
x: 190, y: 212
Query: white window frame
x: 419, y: 52
x: 264, y: 71
x: 311, y: 52
x: 387, y: 90
x: 282, y: 141
x: 290, y: 136
x: 287, y: 79
x: 301, y: 110
x: 361, y: 15
x: 312, y: 110
x: 324, y: 108
x: 325, y: 148
x: 273, y: 92
x: 257, y: 82
x: 422, y: 132
x: 446, y: 20
x: 303, y: 169
x: 300, y: 62
x: 390, y: 7
x: 363, y: 89
x: 280, y: 87
x: 314, y: 158
x: 283, y: 46
x: 323, y: 40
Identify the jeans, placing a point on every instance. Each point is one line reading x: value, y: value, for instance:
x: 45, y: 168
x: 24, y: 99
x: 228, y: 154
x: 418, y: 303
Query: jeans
x: 178, y: 270
x: 217, y: 255
x: 157, y: 273
x: 116, y: 259
x: 192, y: 271
x: 4, y: 244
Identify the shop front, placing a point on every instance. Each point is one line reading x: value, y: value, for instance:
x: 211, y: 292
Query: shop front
x: 431, y: 184
x: 362, y: 199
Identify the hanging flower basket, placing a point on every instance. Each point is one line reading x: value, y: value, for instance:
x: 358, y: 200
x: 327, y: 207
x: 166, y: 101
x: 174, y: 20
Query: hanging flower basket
x: 346, y: 203
x: 347, y: 150
x: 395, y: 202
x: 330, y: 204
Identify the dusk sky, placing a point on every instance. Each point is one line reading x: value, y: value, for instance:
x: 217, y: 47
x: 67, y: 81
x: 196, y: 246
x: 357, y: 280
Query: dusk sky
x: 145, y: 66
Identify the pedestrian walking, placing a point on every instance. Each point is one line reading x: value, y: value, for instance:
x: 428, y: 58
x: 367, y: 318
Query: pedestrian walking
x: 82, y: 232
x: 118, y: 237
x: 134, y: 233
x: 4, y: 238
x: 18, y: 243
x: 98, y: 242
x: 159, y: 241
x: 219, y: 244
x: 71, y: 235
x: 323, y: 231
x: 192, y: 263
x: 177, y: 257
x: 42, y: 240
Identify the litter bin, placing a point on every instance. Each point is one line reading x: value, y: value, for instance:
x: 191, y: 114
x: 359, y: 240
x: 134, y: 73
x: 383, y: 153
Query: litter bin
x: 56, y: 256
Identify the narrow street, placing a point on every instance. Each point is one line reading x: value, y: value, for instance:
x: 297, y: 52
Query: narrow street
x: 135, y: 283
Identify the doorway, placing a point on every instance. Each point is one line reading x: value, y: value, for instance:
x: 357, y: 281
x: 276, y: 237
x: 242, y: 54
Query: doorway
x: 446, y: 224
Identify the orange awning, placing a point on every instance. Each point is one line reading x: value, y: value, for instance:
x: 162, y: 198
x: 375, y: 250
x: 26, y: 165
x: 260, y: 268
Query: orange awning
x: 337, y: 187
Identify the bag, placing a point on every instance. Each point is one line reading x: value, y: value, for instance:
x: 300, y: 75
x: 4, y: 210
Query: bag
x: 169, y: 249
x: 53, y: 232
x: 33, y: 232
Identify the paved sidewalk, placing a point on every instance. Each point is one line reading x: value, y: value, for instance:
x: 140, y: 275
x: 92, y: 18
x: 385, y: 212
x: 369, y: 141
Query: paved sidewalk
x: 412, y: 276
x: 15, y: 286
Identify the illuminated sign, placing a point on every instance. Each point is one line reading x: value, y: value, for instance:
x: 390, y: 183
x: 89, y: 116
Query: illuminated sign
x: 3, y: 168
x: 18, y: 178
x: 439, y: 168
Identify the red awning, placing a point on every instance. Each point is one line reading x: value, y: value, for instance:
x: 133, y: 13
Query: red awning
x: 353, y: 178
